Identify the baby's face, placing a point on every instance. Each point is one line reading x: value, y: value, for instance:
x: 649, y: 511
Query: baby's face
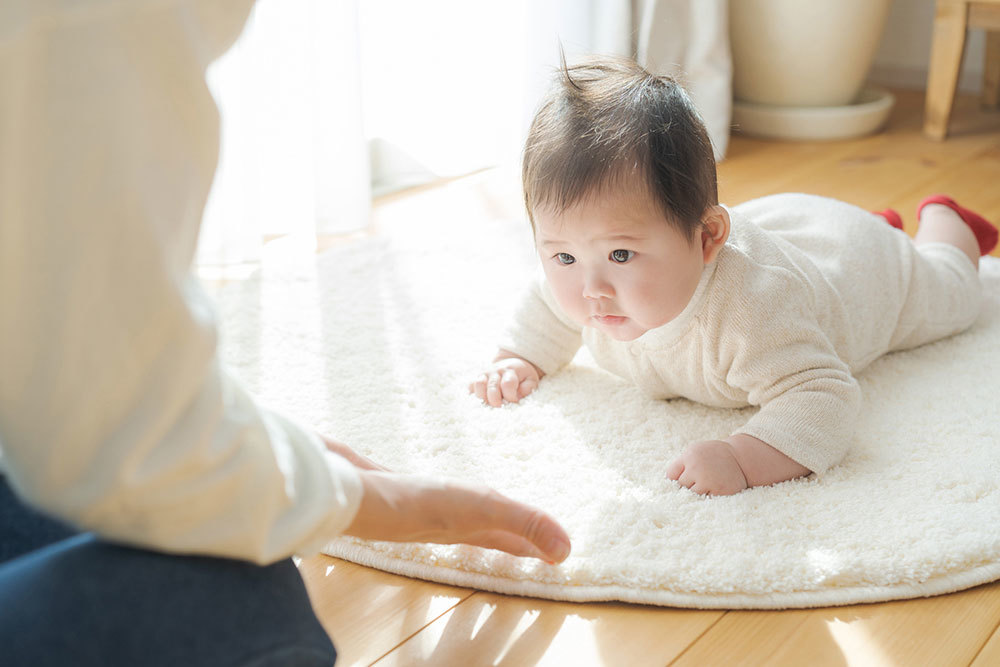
x: 614, y: 262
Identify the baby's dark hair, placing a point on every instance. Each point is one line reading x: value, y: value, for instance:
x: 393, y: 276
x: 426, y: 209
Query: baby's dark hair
x: 607, y: 122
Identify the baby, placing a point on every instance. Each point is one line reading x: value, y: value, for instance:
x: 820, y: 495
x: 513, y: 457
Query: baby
x: 777, y: 302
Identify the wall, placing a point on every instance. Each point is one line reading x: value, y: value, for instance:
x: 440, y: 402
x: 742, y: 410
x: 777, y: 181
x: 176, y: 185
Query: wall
x: 905, y: 51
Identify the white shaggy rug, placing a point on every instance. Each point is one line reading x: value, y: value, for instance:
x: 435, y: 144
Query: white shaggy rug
x: 375, y: 342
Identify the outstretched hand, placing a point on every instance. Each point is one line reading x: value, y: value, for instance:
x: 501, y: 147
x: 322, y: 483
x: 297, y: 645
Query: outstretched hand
x: 358, y: 460
x: 509, y: 379
x: 409, y: 508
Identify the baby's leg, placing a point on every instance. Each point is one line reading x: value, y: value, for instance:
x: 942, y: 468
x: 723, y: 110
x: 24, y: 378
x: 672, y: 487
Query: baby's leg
x: 943, y: 291
x: 940, y: 224
x: 943, y: 220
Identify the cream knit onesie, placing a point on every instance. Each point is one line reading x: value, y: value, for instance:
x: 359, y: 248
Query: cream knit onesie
x: 806, y: 292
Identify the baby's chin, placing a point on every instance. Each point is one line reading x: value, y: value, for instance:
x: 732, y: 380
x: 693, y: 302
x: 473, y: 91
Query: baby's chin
x: 626, y: 332
x: 626, y: 336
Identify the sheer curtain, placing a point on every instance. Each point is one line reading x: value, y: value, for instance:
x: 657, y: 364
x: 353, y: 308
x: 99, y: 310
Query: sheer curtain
x: 450, y: 86
x: 325, y: 102
x: 442, y: 86
x: 293, y: 158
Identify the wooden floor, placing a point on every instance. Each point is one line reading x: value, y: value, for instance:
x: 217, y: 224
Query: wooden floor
x: 380, y: 618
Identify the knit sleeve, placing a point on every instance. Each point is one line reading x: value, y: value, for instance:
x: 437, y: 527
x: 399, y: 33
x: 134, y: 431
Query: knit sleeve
x: 807, y: 396
x: 540, y: 332
x: 115, y: 412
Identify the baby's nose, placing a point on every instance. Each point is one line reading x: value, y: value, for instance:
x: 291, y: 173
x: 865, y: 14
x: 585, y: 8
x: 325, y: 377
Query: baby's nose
x: 597, y: 287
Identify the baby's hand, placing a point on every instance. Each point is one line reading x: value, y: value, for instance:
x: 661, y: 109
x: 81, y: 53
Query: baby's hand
x: 508, y: 379
x: 708, y: 467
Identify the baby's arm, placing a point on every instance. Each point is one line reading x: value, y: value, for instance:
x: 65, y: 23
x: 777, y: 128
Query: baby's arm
x: 776, y: 352
x: 510, y: 379
x: 725, y: 467
x: 540, y: 339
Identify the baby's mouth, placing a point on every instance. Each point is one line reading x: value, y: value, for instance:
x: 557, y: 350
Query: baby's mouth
x: 610, y: 320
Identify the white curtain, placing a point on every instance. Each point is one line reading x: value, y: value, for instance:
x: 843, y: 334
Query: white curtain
x: 326, y: 101
x: 293, y: 159
x: 689, y: 39
x: 442, y: 81
x: 686, y: 39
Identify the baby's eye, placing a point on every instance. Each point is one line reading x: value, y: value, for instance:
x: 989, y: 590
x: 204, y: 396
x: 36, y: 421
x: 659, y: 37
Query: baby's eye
x: 565, y: 258
x: 621, y: 256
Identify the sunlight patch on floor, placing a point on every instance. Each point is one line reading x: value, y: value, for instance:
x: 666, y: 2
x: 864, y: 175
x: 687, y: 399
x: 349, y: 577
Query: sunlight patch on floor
x: 858, y: 646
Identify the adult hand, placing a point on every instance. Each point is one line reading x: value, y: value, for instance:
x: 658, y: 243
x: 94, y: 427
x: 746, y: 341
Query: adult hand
x: 510, y: 379
x: 358, y: 460
x: 409, y: 508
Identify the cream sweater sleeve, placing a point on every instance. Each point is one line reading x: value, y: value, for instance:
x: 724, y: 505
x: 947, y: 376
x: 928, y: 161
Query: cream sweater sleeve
x: 776, y: 352
x: 540, y: 332
x: 114, y: 411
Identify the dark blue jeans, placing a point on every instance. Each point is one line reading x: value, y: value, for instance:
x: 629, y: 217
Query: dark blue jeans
x: 74, y: 599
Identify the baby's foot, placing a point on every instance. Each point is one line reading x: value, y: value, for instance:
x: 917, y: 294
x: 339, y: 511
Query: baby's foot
x: 892, y: 217
x: 985, y: 232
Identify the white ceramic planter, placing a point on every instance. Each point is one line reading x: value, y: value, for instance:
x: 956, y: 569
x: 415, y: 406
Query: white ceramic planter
x: 867, y: 114
x: 803, y: 52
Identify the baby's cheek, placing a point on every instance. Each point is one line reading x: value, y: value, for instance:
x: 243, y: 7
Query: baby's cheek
x: 576, y: 310
x: 659, y: 305
x: 569, y: 299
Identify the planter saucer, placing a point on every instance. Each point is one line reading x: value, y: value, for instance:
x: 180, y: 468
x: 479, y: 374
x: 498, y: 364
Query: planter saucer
x: 865, y: 115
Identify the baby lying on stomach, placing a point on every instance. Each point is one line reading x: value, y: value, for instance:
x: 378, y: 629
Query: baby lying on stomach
x: 776, y: 303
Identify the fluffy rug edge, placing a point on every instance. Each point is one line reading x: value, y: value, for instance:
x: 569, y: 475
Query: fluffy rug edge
x: 830, y: 597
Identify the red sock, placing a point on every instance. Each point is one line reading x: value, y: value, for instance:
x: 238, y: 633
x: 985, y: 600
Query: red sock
x: 891, y: 217
x: 985, y: 231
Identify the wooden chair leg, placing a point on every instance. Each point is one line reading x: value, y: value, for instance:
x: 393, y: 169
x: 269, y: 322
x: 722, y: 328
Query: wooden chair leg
x: 991, y: 71
x: 950, y: 22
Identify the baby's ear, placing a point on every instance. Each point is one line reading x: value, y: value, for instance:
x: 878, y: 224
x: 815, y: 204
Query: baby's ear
x: 714, y: 231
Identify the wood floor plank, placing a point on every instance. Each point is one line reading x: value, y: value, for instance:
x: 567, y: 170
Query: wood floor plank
x: 755, y: 168
x: 945, y: 630
x: 369, y: 612
x: 989, y: 656
x: 743, y: 637
x: 489, y: 629
x: 973, y: 182
x: 868, y: 171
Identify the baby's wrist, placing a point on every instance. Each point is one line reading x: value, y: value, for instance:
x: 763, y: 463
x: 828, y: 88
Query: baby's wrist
x: 761, y: 463
x: 503, y: 354
x: 739, y: 465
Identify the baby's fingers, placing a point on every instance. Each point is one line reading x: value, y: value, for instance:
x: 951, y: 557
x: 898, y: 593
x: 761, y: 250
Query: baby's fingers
x: 494, y: 395
x: 509, y: 383
x: 478, y: 386
x: 527, y: 386
x: 486, y: 387
x: 688, y: 480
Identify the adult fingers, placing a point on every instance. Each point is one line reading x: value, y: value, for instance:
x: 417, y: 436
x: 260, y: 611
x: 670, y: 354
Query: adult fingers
x: 532, y: 524
x: 355, y: 458
x: 516, y: 545
x: 406, y: 508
